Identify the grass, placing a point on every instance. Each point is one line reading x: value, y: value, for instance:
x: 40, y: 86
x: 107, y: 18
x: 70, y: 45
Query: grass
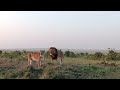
x: 72, y: 68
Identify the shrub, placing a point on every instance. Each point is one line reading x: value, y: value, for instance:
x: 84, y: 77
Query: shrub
x: 0, y: 52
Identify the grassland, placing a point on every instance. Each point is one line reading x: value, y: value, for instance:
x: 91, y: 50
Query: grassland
x: 72, y: 68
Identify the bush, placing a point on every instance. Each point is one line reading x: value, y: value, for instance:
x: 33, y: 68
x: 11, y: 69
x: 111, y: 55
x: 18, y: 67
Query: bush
x: 72, y: 55
x: 67, y: 53
x: 0, y: 52
x: 112, y: 55
x: 98, y: 55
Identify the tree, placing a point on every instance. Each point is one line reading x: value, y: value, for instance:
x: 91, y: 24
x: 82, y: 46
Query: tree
x: 17, y: 52
x: 86, y: 53
x: 98, y: 55
x: 111, y: 52
x: 67, y: 53
x: 24, y: 51
x: 77, y: 55
x: 82, y: 54
x: 72, y: 55
x: 0, y: 51
x: 112, y: 55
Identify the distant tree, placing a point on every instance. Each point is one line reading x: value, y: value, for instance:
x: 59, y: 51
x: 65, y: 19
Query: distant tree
x: 17, y: 52
x: 112, y: 55
x: 111, y: 52
x: 86, y: 53
x: 98, y: 55
x: 108, y: 48
x: 77, y: 55
x: 72, y: 55
x: 82, y: 54
x: 0, y: 51
x: 24, y: 51
x: 67, y: 53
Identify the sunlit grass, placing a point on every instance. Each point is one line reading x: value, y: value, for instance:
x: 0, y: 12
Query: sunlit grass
x: 72, y: 68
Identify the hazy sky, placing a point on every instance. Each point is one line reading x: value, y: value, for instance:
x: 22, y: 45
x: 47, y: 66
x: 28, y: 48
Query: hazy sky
x: 62, y: 29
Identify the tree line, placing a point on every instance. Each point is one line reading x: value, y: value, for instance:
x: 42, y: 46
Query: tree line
x: 111, y: 55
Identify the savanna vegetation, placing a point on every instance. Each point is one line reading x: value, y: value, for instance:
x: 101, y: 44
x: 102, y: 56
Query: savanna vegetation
x: 13, y: 65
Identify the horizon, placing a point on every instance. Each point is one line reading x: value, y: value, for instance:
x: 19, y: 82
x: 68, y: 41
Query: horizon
x: 57, y: 48
x: 60, y: 29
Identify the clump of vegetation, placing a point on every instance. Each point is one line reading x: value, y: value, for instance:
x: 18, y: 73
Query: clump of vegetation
x: 13, y: 65
x: 77, y: 69
x: 12, y: 55
x: 112, y: 55
x: 0, y: 51
x: 70, y: 54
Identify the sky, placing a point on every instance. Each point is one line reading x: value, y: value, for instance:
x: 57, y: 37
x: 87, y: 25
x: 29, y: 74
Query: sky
x: 61, y: 29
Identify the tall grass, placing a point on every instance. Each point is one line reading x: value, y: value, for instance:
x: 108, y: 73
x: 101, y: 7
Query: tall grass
x: 14, y: 66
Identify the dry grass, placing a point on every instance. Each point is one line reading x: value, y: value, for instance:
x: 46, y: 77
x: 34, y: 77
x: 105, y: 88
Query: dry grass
x: 72, y: 68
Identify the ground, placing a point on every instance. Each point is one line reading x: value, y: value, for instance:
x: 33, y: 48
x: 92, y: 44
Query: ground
x: 72, y: 68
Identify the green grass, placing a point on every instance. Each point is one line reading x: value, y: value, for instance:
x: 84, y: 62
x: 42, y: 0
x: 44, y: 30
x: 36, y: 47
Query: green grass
x: 72, y: 68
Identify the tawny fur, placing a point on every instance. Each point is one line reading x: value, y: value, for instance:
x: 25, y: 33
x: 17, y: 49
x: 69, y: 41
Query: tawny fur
x: 55, y: 54
x: 35, y: 56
